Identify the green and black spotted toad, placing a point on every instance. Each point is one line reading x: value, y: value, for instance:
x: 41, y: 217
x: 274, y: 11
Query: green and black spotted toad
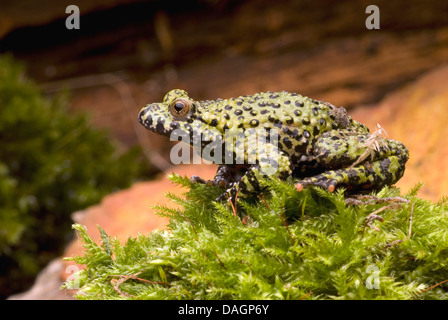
x: 318, y: 143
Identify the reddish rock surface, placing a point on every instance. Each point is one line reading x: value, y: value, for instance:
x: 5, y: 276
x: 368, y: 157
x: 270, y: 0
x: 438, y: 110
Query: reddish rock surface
x: 417, y: 115
x: 129, y: 212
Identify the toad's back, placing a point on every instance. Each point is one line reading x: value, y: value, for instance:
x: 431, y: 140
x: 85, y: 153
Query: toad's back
x: 298, y: 119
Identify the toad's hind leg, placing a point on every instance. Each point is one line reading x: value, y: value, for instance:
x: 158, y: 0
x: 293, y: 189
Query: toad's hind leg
x: 367, y: 175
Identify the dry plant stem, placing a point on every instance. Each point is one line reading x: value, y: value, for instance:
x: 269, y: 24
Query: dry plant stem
x: 371, y: 144
x: 374, y: 216
x: 194, y: 229
x: 432, y: 287
x: 281, y: 217
x: 116, y: 283
x: 409, y: 232
x: 261, y: 196
x: 357, y: 199
x: 306, y: 295
x: 134, y: 276
x: 360, y: 199
x: 123, y: 278
x: 234, y: 206
x: 219, y: 260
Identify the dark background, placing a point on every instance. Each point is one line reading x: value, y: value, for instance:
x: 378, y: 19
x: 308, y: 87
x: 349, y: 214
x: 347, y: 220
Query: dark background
x: 222, y: 48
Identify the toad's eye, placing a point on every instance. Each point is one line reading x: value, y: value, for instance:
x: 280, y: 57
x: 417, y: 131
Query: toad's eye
x: 180, y: 108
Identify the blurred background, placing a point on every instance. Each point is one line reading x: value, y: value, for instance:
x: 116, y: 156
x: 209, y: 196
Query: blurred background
x: 55, y: 160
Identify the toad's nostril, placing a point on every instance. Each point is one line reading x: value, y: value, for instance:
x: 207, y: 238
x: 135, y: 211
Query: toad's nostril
x: 143, y: 111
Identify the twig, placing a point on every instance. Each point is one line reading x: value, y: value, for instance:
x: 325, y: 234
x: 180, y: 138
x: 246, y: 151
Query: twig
x: 410, y: 220
x: 261, y: 196
x: 250, y: 268
x: 219, y: 260
x: 432, y: 287
x: 374, y: 216
x: 409, y: 232
x: 123, y: 278
x: 357, y: 199
x: 306, y: 295
x: 116, y: 283
x: 281, y: 217
x: 194, y: 229
x: 134, y: 276
x: 231, y: 203
x: 360, y: 199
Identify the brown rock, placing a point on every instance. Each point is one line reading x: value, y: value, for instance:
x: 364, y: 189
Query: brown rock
x: 47, y: 285
x: 129, y: 212
x: 416, y: 115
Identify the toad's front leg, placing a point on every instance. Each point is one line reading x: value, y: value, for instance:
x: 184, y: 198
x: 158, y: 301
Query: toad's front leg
x: 225, y: 176
x: 357, y: 162
x: 270, y: 164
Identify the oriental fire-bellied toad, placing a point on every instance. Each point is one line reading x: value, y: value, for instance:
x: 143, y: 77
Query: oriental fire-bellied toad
x: 313, y: 141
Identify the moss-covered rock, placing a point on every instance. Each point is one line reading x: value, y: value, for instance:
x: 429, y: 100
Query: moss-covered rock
x: 287, y: 245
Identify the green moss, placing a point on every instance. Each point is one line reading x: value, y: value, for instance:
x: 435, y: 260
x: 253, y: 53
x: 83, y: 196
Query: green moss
x: 296, y: 245
x: 52, y: 163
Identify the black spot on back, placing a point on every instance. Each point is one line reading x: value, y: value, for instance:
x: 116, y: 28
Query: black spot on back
x: 254, y: 122
x: 306, y: 134
x: 273, y: 119
x: 287, y: 142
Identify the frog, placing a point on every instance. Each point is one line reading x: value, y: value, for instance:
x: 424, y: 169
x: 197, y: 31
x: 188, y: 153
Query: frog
x: 310, y: 141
